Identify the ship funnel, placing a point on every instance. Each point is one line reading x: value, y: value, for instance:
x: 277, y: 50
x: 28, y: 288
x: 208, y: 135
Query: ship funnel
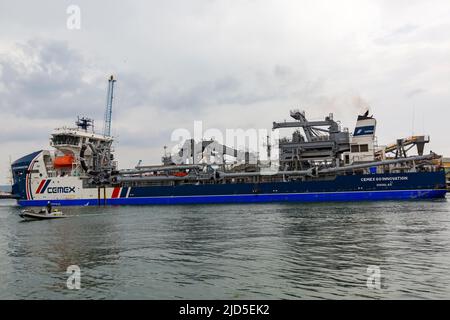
x: 365, y: 126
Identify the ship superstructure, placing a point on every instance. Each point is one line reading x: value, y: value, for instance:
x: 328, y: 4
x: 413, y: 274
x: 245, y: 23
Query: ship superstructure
x: 321, y: 161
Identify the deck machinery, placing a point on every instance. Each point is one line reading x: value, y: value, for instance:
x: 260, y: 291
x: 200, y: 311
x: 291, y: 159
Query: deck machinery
x: 321, y: 142
x: 317, y: 150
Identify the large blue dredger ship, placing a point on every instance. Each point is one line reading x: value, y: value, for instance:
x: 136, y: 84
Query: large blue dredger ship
x: 319, y: 162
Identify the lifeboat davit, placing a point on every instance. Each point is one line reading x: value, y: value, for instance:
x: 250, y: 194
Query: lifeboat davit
x: 63, y: 161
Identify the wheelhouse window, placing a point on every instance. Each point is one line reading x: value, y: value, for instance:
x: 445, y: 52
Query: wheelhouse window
x: 65, y: 140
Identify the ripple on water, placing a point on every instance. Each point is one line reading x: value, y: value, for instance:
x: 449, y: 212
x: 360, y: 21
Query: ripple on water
x: 288, y: 251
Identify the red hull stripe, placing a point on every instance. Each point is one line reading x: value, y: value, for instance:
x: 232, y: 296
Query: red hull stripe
x: 116, y: 192
x: 40, y: 186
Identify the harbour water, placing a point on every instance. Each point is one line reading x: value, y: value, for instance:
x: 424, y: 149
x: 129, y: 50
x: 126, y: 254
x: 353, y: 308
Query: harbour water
x: 266, y: 251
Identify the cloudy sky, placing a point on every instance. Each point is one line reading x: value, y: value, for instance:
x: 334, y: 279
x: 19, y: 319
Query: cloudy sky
x: 231, y: 64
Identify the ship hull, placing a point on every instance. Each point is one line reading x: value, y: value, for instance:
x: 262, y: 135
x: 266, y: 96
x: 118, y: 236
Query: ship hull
x: 370, y: 187
x: 251, y: 198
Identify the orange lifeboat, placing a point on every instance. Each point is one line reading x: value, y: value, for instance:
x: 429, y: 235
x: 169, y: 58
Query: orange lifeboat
x: 63, y: 161
x: 180, y: 174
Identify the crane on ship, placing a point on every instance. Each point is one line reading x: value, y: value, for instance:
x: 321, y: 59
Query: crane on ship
x: 101, y: 165
x: 108, y: 111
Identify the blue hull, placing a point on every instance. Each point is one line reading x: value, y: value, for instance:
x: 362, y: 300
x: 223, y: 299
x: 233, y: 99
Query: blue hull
x: 254, y: 198
x: 369, y: 187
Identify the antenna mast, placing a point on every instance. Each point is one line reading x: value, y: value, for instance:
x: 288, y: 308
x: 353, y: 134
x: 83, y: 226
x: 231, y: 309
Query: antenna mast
x: 108, y: 111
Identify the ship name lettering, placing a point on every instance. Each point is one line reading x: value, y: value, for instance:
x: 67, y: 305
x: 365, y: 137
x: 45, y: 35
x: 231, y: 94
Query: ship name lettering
x: 384, y: 178
x: 61, y: 190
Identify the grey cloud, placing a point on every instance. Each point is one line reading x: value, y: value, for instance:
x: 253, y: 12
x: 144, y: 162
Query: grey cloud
x: 145, y: 140
x: 46, y: 81
x: 398, y: 35
x: 414, y: 92
x: 245, y: 89
x: 405, y: 29
x: 20, y: 134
